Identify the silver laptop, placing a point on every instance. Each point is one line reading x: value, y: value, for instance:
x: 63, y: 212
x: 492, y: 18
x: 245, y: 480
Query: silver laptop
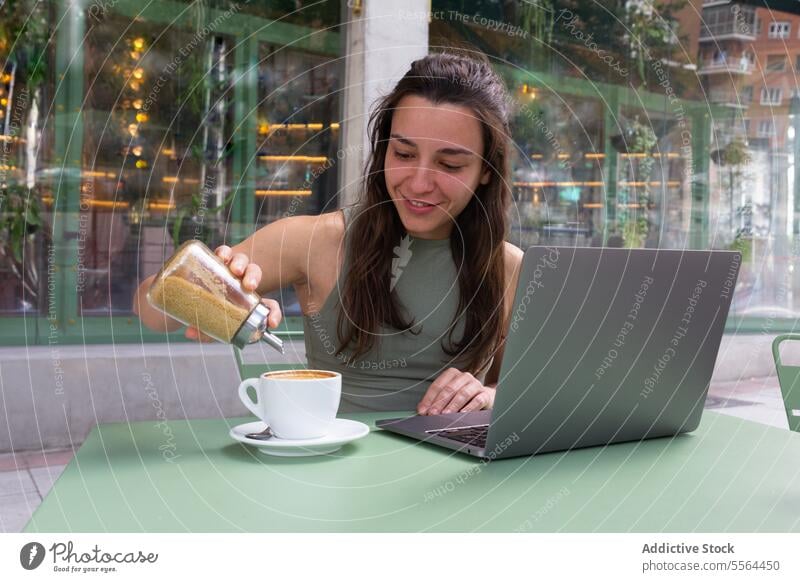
x: 605, y: 345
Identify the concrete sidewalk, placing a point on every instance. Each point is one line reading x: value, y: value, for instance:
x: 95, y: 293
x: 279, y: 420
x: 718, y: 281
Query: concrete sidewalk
x: 25, y: 480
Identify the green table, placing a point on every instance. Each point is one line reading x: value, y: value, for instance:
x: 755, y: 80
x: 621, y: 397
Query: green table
x: 729, y: 475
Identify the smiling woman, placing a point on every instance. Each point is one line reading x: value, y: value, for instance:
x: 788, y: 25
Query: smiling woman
x: 440, y: 144
x: 407, y: 293
x: 431, y: 182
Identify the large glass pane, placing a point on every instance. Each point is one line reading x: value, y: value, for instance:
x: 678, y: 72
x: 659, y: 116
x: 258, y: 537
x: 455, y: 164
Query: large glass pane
x: 298, y: 131
x: 298, y: 136
x: 557, y: 171
x: 169, y: 121
x: 157, y: 169
x: 600, y: 157
x: 642, y: 124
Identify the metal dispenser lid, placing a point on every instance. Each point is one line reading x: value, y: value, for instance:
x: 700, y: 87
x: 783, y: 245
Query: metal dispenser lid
x: 255, y: 328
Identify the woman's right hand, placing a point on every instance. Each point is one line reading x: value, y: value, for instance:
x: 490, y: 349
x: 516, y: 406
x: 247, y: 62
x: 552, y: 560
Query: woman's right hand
x: 250, y: 274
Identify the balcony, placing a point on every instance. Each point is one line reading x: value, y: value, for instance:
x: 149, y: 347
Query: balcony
x: 730, y: 66
x: 723, y: 22
x: 730, y: 98
x: 720, y: 33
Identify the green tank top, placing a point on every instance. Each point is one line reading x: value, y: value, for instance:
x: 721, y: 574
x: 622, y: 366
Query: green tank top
x: 401, y: 366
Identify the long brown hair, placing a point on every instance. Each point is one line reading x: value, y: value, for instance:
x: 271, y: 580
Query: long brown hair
x: 367, y: 300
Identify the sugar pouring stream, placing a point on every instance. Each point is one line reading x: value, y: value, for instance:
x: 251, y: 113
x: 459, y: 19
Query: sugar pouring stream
x: 196, y: 287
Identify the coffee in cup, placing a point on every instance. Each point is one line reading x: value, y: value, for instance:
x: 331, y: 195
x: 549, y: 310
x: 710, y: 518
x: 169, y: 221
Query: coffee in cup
x: 295, y: 404
x: 302, y: 374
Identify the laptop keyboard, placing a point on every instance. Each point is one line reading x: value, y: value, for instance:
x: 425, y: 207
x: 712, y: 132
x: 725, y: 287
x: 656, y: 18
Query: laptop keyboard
x: 471, y: 435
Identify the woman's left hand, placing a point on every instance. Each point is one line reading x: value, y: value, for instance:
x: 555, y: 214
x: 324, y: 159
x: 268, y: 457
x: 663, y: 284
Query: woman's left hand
x: 456, y: 391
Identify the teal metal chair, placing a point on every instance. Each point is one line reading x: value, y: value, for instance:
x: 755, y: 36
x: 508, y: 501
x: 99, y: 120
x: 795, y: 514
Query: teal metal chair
x: 789, y: 378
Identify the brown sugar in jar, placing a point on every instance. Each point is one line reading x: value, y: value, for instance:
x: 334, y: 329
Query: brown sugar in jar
x: 195, y: 287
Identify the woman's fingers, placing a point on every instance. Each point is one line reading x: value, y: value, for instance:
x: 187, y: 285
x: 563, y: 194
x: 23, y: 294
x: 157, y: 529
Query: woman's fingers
x: 224, y: 252
x: 482, y: 400
x: 238, y: 264
x: 451, y: 391
x: 250, y: 274
x: 433, y: 390
x: 275, y: 315
x: 193, y: 333
x: 455, y: 391
x: 252, y: 277
x: 464, y: 395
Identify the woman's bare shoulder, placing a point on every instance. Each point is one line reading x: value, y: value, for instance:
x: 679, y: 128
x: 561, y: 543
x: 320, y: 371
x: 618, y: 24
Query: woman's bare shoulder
x: 513, y: 264
x: 513, y: 258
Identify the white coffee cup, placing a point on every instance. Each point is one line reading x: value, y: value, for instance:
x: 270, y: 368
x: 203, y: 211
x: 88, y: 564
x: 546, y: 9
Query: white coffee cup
x: 295, y: 404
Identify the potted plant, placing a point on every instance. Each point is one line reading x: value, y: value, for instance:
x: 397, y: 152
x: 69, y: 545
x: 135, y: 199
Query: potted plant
x: 20, y: 221
x: 200, y: 216
x: 650, y: 34
x: 636, y: 138
x: 640, y: 139
x: 735, y: 156
x: 24, y: 35
x: 743, y: 243
x: 537, y: 19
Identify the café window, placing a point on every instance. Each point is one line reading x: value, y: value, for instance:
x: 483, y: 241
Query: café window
x: 766, y: 128
x: 771, y: 96
x: 779, y: 29
x: 298, y: 132
x: 144, y: 130
x: 776, y: 63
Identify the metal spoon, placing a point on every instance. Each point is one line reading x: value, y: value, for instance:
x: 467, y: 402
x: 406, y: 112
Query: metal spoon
x: 264, y: 435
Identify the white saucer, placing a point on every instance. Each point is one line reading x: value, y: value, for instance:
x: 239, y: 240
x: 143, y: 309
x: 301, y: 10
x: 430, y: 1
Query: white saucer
x: 343, y: 432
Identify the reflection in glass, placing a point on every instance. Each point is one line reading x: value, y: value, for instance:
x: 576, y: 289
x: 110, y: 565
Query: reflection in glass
x: 298, y: 136
x: 298, y: 131
x: 26, y: 194
x: 641, y: 124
